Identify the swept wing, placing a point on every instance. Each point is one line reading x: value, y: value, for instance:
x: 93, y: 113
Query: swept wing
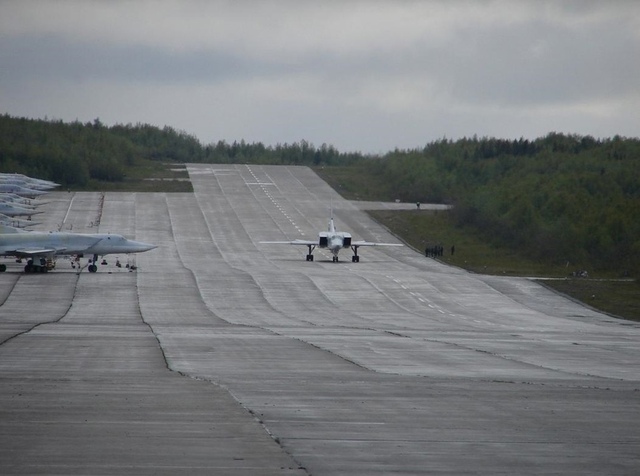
x: 332, y: 240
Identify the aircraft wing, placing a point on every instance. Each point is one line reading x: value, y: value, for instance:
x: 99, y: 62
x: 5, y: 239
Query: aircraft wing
x: 34, y: 251
x: 292, y: 242
x: 369, y: 243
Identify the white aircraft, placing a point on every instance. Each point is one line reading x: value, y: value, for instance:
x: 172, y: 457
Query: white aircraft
x: 334, y: 241
x: 19, y: 190
x: 28, y: 182
x: 37, y: 246
x: 16, y: 222
x: 18, y: 200
x: 11, y: 210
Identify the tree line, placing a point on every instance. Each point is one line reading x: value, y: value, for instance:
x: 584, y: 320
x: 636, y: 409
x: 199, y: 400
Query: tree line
x: 73, y: 153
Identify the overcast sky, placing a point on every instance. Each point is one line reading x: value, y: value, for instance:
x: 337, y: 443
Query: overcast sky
x: 365, y: 76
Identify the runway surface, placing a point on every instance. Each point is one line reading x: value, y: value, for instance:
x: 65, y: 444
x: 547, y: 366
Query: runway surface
x: 222, y: 355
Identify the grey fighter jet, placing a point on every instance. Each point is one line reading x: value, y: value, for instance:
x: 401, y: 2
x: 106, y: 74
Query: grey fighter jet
x: 37, y: 246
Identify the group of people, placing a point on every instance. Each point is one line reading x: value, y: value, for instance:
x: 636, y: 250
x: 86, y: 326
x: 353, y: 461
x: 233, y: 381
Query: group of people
x: 437, y: 250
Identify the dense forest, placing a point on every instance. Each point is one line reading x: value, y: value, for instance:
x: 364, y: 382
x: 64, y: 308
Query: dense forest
x: 73, y: 153
x: 560, y: 197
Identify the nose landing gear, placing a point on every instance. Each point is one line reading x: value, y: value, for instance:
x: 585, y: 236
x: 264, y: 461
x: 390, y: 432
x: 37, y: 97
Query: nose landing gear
x: 92, y: 267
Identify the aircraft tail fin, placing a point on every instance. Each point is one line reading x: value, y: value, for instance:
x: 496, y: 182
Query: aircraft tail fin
x: 332, y: 227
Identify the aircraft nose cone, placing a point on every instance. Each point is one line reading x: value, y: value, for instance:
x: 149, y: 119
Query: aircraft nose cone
x: 335, y: 243
x: 140, y: 246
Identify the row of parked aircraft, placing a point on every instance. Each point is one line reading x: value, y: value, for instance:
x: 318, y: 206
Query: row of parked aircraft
x: 41, y: 248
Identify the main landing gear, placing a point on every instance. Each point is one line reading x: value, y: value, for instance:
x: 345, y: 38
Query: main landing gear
x: 93, y: 267
x: 355, y: 258
x: 37, y: 265
x: 310, y: 256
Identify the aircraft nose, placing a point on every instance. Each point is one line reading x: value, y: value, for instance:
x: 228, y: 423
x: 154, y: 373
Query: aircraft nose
x: 335, y: 243
x: 140, y: 246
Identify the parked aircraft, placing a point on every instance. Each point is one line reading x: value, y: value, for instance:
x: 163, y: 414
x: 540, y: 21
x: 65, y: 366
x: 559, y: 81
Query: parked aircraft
x: 22, y: 182
x: 37, y: 247
x: 334, y: 241
x: 28, y: 182
x: 15, y: 191
x: 19, y: 190
x: 12, y: 210
x: 16, y: 222
x: 18, y: 200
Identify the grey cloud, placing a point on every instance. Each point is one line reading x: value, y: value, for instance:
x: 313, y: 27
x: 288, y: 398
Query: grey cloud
x: 56, y: 58
x: 434, y: 69
x: 542, y: 63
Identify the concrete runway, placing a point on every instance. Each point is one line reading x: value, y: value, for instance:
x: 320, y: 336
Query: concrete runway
x: 221, y: 355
